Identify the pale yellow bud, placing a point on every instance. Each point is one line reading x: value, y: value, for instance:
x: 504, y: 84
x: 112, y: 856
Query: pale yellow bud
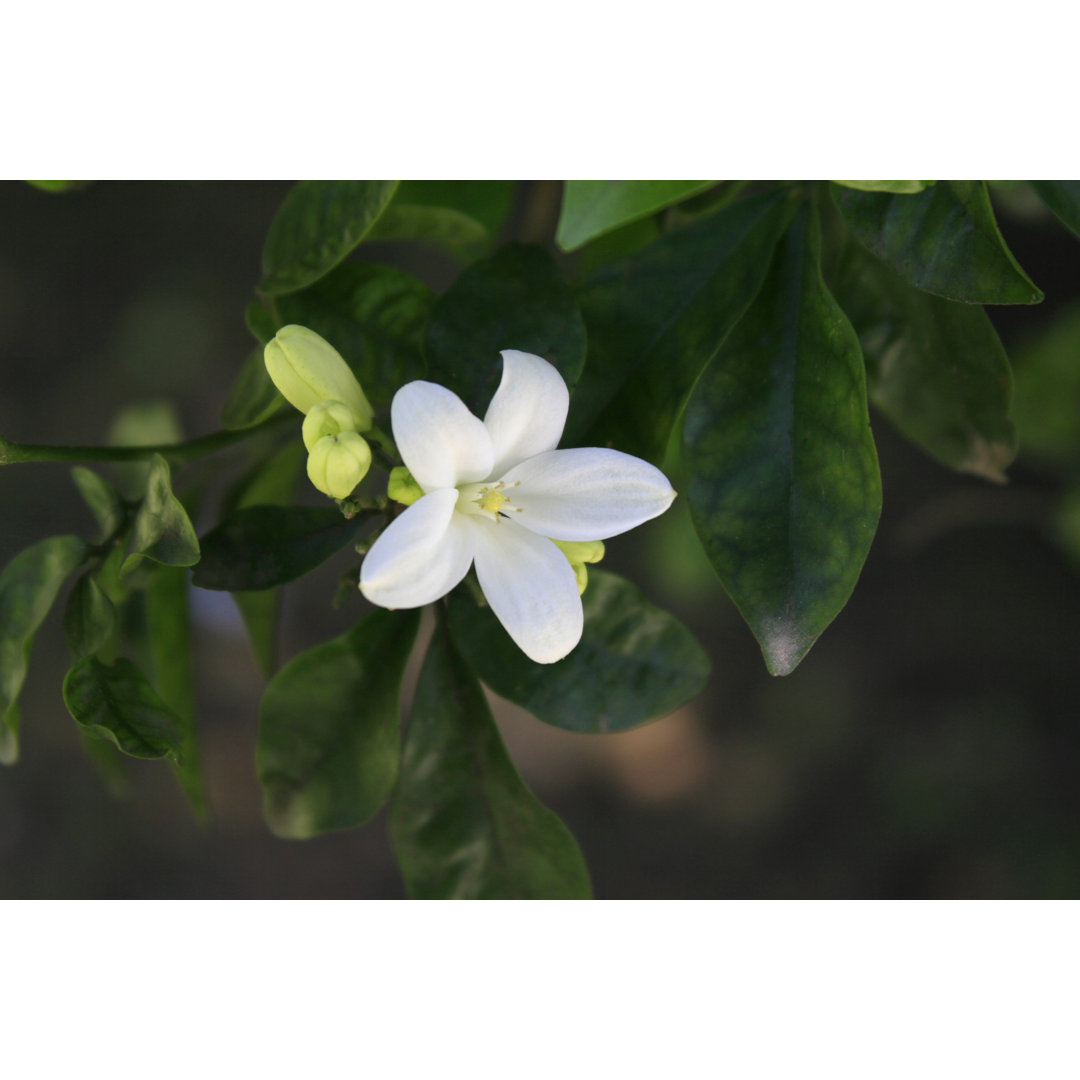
x: 402, y: 488
x: 308, y: 370
x: 337, y: 463
x: 578, y: 553
x: 329, y: 418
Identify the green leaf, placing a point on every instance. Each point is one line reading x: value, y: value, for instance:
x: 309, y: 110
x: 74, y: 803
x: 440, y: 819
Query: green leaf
x: 634, y: 663
x: 486, y: 201
x: 58, y: 187
x: 1063, y: 198
x: 783, y: 479
x: 262, y: 323
x: 115, y: 702
x: 463, y: 823
x: 168, y: 621
x: 516, y: 299
x: 655, y: 320
x: 591, y: 208
x: 329, y: 728
x: 319, y: 223
x: 253, y: 396
x: 944, y: 240
x: 263, y: 546
x: 102, y: 498
x: 935, y: 368
x: 896, y: 187
x: 374, y: 316
x: 88, y: 617
x: 28, y: 587
x: 162, y: 531
x: 436, y: 224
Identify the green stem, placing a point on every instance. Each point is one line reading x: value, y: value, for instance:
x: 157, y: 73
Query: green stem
x: 12, y: 453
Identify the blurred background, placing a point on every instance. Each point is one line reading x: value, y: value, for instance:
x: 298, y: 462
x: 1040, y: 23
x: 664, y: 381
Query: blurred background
x: 928, y: 746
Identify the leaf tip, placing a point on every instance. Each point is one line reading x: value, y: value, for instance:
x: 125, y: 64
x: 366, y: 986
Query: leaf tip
x: 783, y: 645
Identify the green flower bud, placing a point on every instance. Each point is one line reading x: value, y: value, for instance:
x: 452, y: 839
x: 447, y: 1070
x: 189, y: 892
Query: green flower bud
x: 402, y: 488
x: 308, y: 370
x: 329, y: 418
x: 337, y: 463
x: 578, y: 553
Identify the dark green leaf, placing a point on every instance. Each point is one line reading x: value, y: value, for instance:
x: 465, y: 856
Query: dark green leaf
x: 101, y: 497
x: 88, y: 617
x: 329, y: 728
x: 935, y: 368
x: 517, y: 299
x: 635, y: 663
x: 464, y: 825
x: 262, y: 323
x: 168, y: 622
x: 655, y: 320
x: 943, y: 240
x: 263, y: 546
x: 116, y: 702
x: 253, y: 396
x: 28, y: 587
x: 436, y: 224
x: 783, y: 480
x: 1063, y: 198
x: 319, y: 223
x: 896, y: 187
x: 162, y: 531
x: 486, y: 201
x: 591, y: 208
x: 374, y: 316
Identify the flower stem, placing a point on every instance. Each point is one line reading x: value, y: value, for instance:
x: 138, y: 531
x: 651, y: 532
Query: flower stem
x: 12, y: 453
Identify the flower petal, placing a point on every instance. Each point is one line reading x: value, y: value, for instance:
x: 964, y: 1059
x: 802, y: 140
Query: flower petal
x: 421, y: 556
x: 440, y: 441
x: 530, y: 586
x: 528, y: 412
x: 586, y: 494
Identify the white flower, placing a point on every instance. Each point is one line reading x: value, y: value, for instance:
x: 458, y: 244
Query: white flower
x: 497, y: 493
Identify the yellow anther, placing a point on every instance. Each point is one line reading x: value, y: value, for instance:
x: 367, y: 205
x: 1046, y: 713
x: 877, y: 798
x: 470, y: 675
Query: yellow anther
x: 491, y: 499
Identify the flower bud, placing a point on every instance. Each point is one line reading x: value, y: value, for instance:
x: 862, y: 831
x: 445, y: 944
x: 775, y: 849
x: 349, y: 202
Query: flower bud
x: 329, y: 418
x: 337, y: 463
x: 402, y: 488
x: 308, y: 370
x: 578, y: 553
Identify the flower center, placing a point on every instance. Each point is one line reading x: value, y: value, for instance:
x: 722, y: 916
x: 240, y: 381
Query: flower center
x: 487, y: 499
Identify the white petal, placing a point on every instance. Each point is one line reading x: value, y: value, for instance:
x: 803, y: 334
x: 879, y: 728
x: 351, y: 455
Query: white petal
x: 531, y: 587
x: 585, y: 494
x: 528, y: 412
x: 421, y: 556
x: 440, y: 441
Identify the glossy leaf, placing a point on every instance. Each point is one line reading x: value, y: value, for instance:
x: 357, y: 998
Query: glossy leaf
x: 168, y: 621
x: 486, y: 201
x: 319, y: 223
x: 162, y: 530
x: 329, y: 728
x: 1063, y: 198
x: 263, y: 546
x: 516, y: 299
x: 943, y: 240
x: 634, y: 663
x: 253, y: 396
x: 88, y: 617
x: 591, y: 208
x: 935, y: 368
x: 115, y: 702
x: 655, y: 320
x: 28, y: 587
x: 896, y: 187
x: 101, y: 497
x: 783, y: 480
x: 463, y: 823
x: 374, y: 316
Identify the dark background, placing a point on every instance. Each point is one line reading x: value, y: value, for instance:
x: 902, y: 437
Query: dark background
x: 928, y: 746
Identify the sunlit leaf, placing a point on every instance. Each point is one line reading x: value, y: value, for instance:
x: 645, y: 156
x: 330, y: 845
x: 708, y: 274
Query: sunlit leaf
x: 464, y: 825
x: 896, y: 187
